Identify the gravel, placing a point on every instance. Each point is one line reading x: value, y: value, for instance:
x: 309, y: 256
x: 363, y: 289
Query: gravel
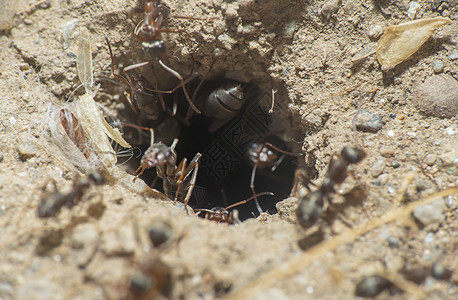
x: 437, y: 96
x: 430, y: 213
x: 368, y: 122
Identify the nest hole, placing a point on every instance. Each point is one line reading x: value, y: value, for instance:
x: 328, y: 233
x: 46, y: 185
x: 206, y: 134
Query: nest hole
x: 225, y: 168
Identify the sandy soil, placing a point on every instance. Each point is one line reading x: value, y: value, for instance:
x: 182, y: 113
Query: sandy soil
x: 301, y: 49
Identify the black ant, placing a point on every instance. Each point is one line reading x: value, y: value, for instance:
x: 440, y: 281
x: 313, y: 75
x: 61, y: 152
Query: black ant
x: 52, y: 202
x: 262, y: 157
x: 310, y: 206
x: 176, y: 179
x: 148, y: 32
x: 223, y: 215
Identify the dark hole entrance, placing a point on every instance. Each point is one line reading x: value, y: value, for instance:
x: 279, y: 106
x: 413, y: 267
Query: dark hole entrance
x: 225, y: 169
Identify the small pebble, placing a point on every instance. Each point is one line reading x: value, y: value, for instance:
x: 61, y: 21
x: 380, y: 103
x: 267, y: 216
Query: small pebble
x: 387, y: 151
x: 383, y: 179
x: 227, y: 41
x: 26, y: 147
x: 368, y: 122
x: 371, y: 286
x: 314, y: 119
x: 375, y: 32
x: 437, y: 96
x: 24, y: 67
x: 438, y: 66
x: 453, y: 55
x: 445, y: 13
x: 329, y: 8
x: 421, y: 185
x: 440, y: 272
x: 1, y: 157
x: 28, y: 21
x: 378, y: 168
x: 414, y: 274
x: 414, y: 7
x: 430, y: 213
x: 393, y: 242
x: 395, y: 164
x: 232, y: 11
x: 430, y: 159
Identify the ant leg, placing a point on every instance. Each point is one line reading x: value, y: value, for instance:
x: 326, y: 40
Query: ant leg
x: 253, y: 174
x: 137, y: 174
x: 139, y: 65
x: 282, y: 151
x: 246, y: 200
x: 154, y: 182
x: 161, y: 98
x: 181, y: 171
x: 126, y: 80
x: 177, y: 75
x: 194, y: 164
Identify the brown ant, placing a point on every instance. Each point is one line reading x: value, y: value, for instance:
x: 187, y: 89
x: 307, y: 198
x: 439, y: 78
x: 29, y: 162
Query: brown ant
x: 176, y: 179
x: 310, y: 206
x: 52, y: 202
x: 223, y: 215
x: 143, y: 98
x: 148, y: 32
x: 262, y: 157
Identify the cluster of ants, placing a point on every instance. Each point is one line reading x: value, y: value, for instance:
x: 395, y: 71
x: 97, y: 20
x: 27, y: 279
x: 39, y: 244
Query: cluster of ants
x: 221, y: 104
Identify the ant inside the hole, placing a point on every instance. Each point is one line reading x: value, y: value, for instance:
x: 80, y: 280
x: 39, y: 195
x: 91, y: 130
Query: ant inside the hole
x: 223, y: 215
x: 263, y: 155
x: 310, y: 207
x: 178, y: 181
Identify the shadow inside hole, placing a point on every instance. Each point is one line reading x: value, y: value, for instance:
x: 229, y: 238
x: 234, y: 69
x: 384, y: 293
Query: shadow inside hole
x: 225, y: 170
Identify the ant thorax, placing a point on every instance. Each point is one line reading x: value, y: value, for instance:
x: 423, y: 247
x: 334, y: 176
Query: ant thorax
x: 153, y: 49
x: 158, y: 155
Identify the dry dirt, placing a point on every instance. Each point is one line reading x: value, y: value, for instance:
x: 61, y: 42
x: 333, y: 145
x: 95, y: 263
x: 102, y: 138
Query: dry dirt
x: 307, y: 53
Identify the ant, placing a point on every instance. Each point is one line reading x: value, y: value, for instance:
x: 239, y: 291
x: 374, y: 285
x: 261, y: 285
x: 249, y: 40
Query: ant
x: 176, y: 179
x: 262, y: 156
x: 52, y: 202
x: 310, y: 206
x: 223, y: 215
x: 143, y: 98
x: 148, y: 32
x: 220, y: 101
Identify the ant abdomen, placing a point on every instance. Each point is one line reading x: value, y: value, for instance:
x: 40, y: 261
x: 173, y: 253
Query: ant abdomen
x: 225, y: 101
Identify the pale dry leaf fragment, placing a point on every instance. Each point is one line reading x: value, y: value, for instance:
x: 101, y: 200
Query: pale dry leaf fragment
x: 367, y: 51
x: 84, y: 60
x: 114, y: 134
x: 96, y: 129
x: 399, y: 42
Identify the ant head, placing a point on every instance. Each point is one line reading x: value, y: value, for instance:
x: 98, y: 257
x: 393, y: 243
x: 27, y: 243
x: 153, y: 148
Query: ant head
x: 261, y: 153
x: 157, y: 155
x: 153, y: 49
x: 218, y: 214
